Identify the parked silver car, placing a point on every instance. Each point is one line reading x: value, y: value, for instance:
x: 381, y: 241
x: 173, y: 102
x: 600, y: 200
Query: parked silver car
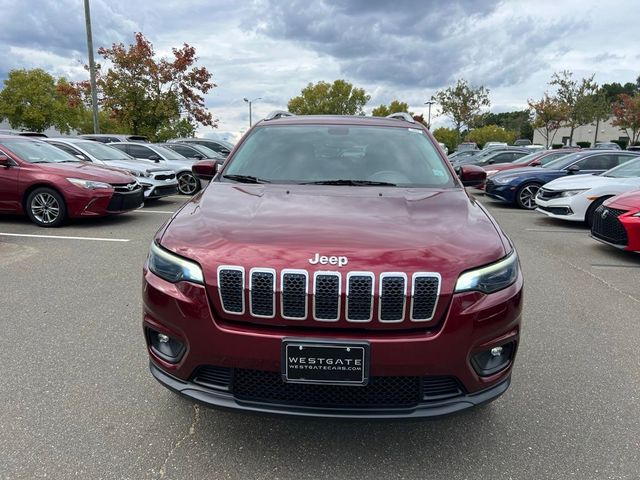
x: 188, y: 184
x: 157, y: 181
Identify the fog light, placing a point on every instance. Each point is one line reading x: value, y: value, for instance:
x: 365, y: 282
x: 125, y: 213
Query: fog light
x: 493, y: 360
x: 165, y: 346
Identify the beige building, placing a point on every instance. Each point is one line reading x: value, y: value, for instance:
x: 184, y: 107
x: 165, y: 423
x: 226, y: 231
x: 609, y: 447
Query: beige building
x: 585, y: 133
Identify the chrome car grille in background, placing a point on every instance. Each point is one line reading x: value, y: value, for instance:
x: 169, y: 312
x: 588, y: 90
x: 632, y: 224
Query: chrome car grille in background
x: 302, y: 295
x: 607, y: 227
x: 126, y: 188
x: 164, y: 176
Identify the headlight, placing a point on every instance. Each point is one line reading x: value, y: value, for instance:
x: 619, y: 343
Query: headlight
x: 636, y: 214
x: 503, y: 180
x: 89, y: 183
x: 491, y: 278
x: 492, y: 172
x: 571, y: 193
x: 172, y: 267
x: 137, y: 173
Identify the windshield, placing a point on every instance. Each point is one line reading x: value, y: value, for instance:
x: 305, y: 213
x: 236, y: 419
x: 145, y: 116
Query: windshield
x: 348, y: 154
x: 565, y: 161
x: 168, y: 153
x: 626, y: 170
x: 206, y: 151
x: 38, y: 152
x: 103, y: 152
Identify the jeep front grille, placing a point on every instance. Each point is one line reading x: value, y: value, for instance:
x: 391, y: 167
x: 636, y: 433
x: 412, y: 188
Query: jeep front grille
x: 390, y: 297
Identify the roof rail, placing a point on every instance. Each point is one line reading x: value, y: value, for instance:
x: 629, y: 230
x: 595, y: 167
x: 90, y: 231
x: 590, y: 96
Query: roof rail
x: 402, y: 116
x: 278, y: 114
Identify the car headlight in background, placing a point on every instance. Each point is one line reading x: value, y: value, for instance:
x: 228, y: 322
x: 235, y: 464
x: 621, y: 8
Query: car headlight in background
x: 503, y: 180
x: 172, y: 267
x: 571, y: 193
x: 89, y: 183
x: 492, y: 172
x: 636, y: 214
x: 491, y: 278
x: 137, y: 173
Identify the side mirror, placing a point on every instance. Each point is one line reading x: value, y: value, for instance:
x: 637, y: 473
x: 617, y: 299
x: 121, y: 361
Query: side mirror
x: 573, y: 169
x: 80, y: 157
x: 471, y: 175
x: 197, y: 156
x: 155, y: 158
x: 535, y: 163
x: 205, y: 169
x: 491, y: 162
x: 4, y: 161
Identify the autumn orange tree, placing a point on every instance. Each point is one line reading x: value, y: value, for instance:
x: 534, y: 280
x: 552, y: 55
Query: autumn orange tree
x: 143, y: 95
x: 626, y: 112
x: 549, y: 113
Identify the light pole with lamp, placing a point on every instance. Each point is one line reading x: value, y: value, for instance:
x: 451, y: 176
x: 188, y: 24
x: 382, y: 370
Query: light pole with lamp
x: 430, y: 102
x: 250, y: 102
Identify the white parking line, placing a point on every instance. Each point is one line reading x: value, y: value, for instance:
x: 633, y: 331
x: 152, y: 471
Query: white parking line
x: 60, y: 237
x: 153, y: 211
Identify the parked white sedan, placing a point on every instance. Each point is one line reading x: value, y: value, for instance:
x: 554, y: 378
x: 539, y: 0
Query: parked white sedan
x: 576, y: 197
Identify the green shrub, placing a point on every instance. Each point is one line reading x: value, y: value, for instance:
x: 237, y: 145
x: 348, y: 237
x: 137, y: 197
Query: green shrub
x: 622, y: 143
x: 583, y: 144
x: 556, y: 146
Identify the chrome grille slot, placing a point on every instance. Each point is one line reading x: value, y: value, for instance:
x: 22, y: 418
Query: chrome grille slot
x: 262, y: 292
x: 294, y: 294
x: 360, y: 296
x: 231, y: 289
x: 393, y: 293
x: 326, y: 299
x: 424, y: 296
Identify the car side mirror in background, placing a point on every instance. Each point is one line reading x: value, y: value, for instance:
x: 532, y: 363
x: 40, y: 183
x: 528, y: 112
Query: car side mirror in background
x: 573, y: 169
x: 80, y: 157
x: 197, y: 156
x: 155, y: 158
x: 535, y: 163
x: 471, y: 175
x: 4, y: 161
x: 205, y: 169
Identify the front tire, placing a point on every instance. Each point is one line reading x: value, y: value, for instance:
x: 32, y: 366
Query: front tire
x: 188, y: 184
x: 46, y: 208
x: 526, y: 196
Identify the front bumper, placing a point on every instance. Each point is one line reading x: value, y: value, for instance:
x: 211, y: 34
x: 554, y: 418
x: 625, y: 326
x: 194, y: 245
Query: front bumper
x: 562, y: 208
x: 473, y: 323
x: 221, y: 399
x: 159, y: 190
x: 504, y: 193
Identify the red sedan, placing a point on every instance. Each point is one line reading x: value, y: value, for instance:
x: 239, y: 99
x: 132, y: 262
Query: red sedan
x: 50, y: 185
x: 532, y: 160
x: 617, y: 222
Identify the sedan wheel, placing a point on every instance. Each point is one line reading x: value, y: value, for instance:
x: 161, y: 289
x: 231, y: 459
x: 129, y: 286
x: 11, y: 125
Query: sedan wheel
x: 188, y: 184
x: 46, y: 208
x: 526, y: 197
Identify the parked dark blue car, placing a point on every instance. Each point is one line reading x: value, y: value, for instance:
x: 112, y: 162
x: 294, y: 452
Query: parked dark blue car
x: 520, y: 186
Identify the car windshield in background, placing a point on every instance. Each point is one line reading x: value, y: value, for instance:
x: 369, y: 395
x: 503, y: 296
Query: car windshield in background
x: 168, y: 153
x: 38, y: 152
x: 565, y: 161
x: 103, y: 152
x: 205, y: 150
x: 626, y: 170
x: 526, y: 158
x: 342, y: 155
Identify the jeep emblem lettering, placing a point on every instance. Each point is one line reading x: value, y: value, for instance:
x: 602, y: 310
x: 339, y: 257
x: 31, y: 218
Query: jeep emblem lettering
x: 333, y: 260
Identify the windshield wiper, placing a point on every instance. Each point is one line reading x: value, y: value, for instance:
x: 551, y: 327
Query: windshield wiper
x: 355, y: 183
x: 245, y: 179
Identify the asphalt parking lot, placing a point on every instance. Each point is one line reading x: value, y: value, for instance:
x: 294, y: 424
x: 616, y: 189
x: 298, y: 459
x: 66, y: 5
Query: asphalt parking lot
x: 78, y: 400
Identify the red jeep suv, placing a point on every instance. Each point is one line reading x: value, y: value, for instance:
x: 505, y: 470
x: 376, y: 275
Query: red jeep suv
x: 334, y: 267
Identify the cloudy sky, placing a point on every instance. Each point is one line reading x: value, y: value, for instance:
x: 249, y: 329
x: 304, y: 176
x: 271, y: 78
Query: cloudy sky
x: 404, y: 49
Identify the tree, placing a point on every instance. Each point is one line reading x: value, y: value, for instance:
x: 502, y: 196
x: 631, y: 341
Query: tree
x: 549, y: 113
x: 626, y: 112
x: 394, y: 107
x: 517, y: 121
x: 448, y: 136
x: 491, y: 133
x: 612, y: 90
x: 597, y: 108
x: 146, y: 95
x: 574, y: 95
x: 462, y: 103
x: 30, y: 100
x: 322, y: 98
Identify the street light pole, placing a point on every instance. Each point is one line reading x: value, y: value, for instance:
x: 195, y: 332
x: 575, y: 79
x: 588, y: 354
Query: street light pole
x: 92, y: 68
x: 430, y: 102
x: 250, y: 102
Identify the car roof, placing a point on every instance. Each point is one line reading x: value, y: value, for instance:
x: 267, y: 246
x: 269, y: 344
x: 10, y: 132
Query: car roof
x: 338, y: 120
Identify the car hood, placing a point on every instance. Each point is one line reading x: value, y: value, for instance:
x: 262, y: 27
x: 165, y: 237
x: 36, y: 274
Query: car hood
x: 88, y: 171
x: 137, y: 165
x: 626, y: 201
x: 378, y: 229
x: 577, y: 182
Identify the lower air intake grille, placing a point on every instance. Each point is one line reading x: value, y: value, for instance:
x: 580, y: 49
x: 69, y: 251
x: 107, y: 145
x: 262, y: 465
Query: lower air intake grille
x: 231, y: 288
x: 438, y: 388
x: 392, y: 297
x: 327, y: 297
x: 216, y: 377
